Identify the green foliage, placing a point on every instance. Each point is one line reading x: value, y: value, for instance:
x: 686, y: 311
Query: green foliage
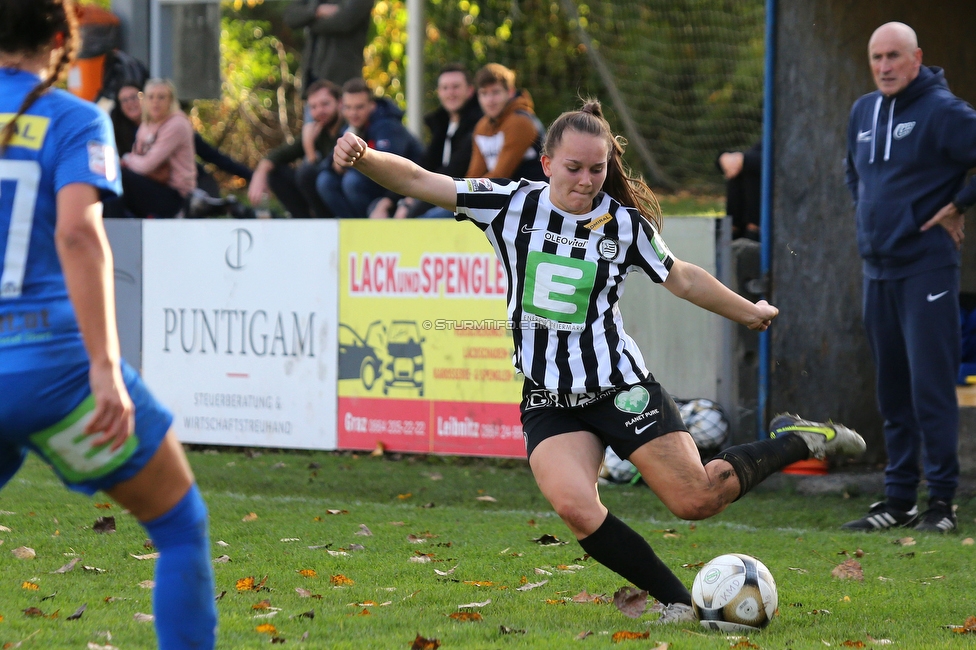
x: 909, y: 592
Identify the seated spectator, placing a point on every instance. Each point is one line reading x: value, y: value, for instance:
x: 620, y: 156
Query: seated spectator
x: 295, y: 186
x: 160, y: 172
x: 508, y: 139
x: 126, y: 117
x: 451, y: 126
x: 378, y: 121
x: 743, y: 175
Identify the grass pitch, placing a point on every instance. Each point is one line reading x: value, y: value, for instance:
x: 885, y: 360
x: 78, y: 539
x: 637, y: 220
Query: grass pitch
x: 399, y: 546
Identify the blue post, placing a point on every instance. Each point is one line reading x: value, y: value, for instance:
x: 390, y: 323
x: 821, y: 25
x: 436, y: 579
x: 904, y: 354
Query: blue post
x: 766, y: 207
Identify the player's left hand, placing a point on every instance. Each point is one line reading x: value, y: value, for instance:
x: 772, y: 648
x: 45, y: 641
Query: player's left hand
x: 952, y: 220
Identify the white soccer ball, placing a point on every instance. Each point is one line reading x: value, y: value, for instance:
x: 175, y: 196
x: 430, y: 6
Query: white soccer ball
x: 616, y: 469
x: 734, y: 593
x: 706, y: 423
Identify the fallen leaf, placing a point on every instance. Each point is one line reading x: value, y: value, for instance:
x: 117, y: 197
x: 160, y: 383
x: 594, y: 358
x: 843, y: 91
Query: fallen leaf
x: 149, y: 584
x: 480, y: 583
x: 428, y: 505
x: 879, y: 641
x: 251, y: 516
x: 309, y: 573
x: 337, y: 512
x: 445, y: 573
x: 466, y: 616
x: 49, y: 596
x: 245, y: 584
x: 631, y: 601
x: 475, y: 604
x: 4, y: 529
x: 95, y: 646
x: 220, y: 595
x: 266, y: 628
x: 378, y: 450
x: 422, y: 558
x: 264, y: 604
x: 223, y: 559
x: 340, y: 580
x: 420, y: 643
x: 628, y: 636
x: 434, y: 476
x: 487, y: 498
x: 364, y: 531
x: 531, y: 585
x: 357, y: 547
x: 78, y: 613
x: 278, y: 639
x: 290, y: 539
x: 305, y: 593
x: 848, y: 570
x: 968, y: 541
x: 221, y: 542
x: 92, y: 569
x: 582, y: 635
x: 24, y: 553
x: 542, y: 572
x: 139, y: 617
x: 548, y: 540
x: 33, y: 611
x: 853, y: 644
x: 905, y: 541
x: 69, y: 566
x: 104, y: 525
x: 405, y: 496
x: 585, y: 597
x: 336, y: 553
x: 508, y: 630
x: 744, y: 643
x: 665, y: 646
x: 103, y: 506
x: 30, y: 586
x: 413, y: 539
x: 147, y: 556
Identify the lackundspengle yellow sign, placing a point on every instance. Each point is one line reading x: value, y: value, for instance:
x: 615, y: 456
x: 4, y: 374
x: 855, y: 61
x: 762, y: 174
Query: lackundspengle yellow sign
x: 425, y: 353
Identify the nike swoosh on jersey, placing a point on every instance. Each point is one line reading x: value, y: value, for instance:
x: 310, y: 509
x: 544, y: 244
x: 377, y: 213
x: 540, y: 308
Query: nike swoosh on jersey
x: 932, y: 297
x: 640, y: 430
x: 864, y: 136
x: 527, y: 230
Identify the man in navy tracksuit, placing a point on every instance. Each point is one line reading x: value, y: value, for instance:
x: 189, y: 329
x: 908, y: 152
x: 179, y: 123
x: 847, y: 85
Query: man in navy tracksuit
x: 910, y: 145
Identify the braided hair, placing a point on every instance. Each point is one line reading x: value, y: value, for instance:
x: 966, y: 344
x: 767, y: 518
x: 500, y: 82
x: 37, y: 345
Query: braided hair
x: 626, y: 189
x: 27, y: 27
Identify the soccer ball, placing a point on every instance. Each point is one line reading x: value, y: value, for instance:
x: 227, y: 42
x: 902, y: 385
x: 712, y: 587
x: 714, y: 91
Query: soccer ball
x: 734, y: 593
x: 617, y: 470
x: 706, y: 423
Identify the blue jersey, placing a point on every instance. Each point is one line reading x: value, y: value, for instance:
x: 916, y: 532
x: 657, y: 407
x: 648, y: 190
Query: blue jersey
x: 60, y: 140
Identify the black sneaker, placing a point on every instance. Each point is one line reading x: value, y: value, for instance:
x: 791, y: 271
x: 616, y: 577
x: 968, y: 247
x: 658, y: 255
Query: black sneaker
x: 881, y: 516
x: 939, y: 518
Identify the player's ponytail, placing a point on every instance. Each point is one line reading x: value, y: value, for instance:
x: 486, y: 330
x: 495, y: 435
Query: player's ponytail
x: 627, y: 189
x: 26, y: 28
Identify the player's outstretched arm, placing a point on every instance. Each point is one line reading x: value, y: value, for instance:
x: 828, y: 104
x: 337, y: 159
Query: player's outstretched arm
x: 395, y: 173
x: 699, y: 287
x: 88, y: 273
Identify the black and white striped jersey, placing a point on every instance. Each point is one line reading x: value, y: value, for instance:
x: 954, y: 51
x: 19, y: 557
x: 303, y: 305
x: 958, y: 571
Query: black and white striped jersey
x: 565, y: 276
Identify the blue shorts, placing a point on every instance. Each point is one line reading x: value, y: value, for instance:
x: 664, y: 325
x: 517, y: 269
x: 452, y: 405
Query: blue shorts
x: 45, y: 410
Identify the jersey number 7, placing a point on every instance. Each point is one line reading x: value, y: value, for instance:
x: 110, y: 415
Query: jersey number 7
x: 26, y: 177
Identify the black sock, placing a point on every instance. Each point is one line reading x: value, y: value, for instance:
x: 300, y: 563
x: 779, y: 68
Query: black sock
x: 902, y: 505
x: 619, y: 548
x: 755, y: 461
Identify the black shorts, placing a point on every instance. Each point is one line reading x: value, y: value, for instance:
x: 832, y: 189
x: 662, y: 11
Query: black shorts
x: 622, y: 418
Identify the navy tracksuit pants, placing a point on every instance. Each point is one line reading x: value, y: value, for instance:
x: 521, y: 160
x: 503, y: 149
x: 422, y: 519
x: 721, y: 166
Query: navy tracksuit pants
x: 913, y: 329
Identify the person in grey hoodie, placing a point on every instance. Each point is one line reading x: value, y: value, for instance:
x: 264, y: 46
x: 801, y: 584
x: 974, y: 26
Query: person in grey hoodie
x: 910, y: 145
x: 335, y: 35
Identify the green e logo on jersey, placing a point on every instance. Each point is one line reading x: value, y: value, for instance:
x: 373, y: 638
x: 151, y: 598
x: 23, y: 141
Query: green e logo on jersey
x: 557, y: 288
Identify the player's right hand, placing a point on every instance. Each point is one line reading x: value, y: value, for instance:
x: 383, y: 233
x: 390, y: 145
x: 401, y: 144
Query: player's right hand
x: 114, y: 417
x: 764, y: 317
x: 348, y: 150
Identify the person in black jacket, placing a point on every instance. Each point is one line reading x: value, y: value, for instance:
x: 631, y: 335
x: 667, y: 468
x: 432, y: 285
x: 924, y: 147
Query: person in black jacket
x: 451, y: 125
x: 743, y: 175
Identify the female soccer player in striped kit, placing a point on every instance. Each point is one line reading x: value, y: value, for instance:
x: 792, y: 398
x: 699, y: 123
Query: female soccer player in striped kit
x: 567, y: 247
x: 64, y: 390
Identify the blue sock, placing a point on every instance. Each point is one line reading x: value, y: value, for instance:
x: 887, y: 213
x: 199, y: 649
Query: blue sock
x: 183, y: 600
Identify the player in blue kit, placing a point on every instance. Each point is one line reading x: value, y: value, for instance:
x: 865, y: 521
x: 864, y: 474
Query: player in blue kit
x: 65, y: 393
